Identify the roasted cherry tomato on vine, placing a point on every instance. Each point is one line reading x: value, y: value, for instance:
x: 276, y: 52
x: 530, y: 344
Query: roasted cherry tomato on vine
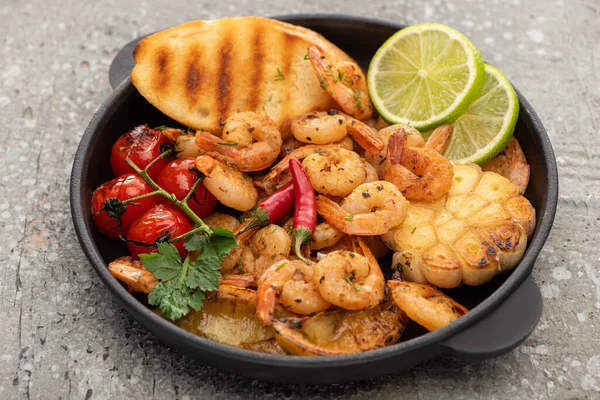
x: 112, y: 217
x: 178, y: 177
x: 159, y: 224
x: 142, y: 145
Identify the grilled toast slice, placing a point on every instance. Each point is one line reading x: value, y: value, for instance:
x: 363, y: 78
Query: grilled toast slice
x: 200, y: 72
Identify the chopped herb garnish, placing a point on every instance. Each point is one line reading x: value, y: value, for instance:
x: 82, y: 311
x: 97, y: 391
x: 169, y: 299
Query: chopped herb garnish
x: 162, y: 127
x: 277, y: 268
x: 228, y: 143
x: 306, y: 56
x: 383, y: 160
x: 357, y: 97
x: 279, y: 76
x: 414, y: 229
x: 349, y: 217
x: 349, y: 280
x: 388, y: 244
x: 273, y: 230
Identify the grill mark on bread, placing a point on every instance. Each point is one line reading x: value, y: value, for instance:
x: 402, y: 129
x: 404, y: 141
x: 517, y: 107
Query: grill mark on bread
x: 163, y: 76
x: 194, y: 79
x: 224, y: 89
x: 254, y: 99
x: 287, y: 53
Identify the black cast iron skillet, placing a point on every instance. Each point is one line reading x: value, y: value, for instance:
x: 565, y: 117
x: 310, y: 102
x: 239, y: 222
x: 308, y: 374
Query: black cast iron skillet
x: 504, y: 311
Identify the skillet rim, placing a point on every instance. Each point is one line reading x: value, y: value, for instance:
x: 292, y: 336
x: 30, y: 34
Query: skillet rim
x: 153, y: 322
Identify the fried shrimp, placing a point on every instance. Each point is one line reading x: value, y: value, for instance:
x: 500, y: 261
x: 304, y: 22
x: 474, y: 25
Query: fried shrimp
x: 268, y: 245
x: 345, y: 82
x: 371, y: 172
x: 279, y: 174
x: 249, y: 142
x: 425, y: 305
x: 377, y: 158
x: 319, y: 127
x: 511, y: 164
x: 229, y: 186
x: 292, y: 282
x: 335, y: 172
x: 350, y: 280
x: 325, y: 235
x: 420, y: 173
x: 220, y: 220
x: 371, y: 209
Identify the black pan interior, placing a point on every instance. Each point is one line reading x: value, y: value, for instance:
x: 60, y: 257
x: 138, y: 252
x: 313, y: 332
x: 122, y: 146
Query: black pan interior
x: 360, y: 38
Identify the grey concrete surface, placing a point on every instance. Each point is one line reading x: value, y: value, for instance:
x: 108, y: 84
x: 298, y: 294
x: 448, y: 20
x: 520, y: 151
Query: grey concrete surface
x: 63, y: 336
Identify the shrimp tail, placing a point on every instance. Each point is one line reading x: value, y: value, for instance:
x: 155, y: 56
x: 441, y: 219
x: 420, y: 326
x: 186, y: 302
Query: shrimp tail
x: 215, y: 146
x: 265, y: 305
x: 439, y: 138
x: 132, y: 273
x: 243, y: 281
x: 396, y: 146
x: 359, y: 246
x: 338, y: 217
x: 364, y: 135
x: 320, y: 64
x: 395, y: 172
x: 519, y: 168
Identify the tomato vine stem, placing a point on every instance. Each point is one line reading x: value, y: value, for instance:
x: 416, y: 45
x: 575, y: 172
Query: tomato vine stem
x: 182, y: 204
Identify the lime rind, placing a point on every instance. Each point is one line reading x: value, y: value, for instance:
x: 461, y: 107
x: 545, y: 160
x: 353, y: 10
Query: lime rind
x: 404, y: 69
x: 471, y: 130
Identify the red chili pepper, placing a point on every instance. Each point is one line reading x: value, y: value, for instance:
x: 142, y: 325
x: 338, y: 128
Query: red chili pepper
x: 305, y: 214
x: 270, y: 210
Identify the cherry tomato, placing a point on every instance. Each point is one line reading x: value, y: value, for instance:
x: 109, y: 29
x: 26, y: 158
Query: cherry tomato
x: 112, y: 217
x: 160, y: 223
x: 142, y: 145
x: 178, y: 177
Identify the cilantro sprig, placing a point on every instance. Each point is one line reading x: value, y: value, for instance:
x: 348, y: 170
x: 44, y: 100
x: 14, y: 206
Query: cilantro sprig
x: 183, y: 284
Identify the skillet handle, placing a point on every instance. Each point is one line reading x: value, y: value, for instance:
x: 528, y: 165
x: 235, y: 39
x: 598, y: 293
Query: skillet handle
x: 504, y: 329
x: 121, y: 66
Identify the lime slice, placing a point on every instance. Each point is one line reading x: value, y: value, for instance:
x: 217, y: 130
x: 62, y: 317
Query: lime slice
x: 425, y: 75
x: 484, y: 129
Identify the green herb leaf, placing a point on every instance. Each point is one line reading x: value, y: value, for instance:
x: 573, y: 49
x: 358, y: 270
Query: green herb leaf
x: 279, y: 76
x: 349, y: 280
x: 349, y: 217
x: 277, y: 268
x: 223, y: 245
x: 219, y: 231
x: 389, y: 245
x: 183, y: 284
x: 164, y: 265
x: 174, y: 300
x: 228, y: 143
x: 306, y: 56
x: 413, y: 231
x: 204, y: 271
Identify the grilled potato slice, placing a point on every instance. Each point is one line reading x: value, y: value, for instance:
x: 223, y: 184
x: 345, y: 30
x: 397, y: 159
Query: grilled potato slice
x: 229, y: 316
x: 479, y: 229
x: 341, y: 331
x: 200, y: 72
